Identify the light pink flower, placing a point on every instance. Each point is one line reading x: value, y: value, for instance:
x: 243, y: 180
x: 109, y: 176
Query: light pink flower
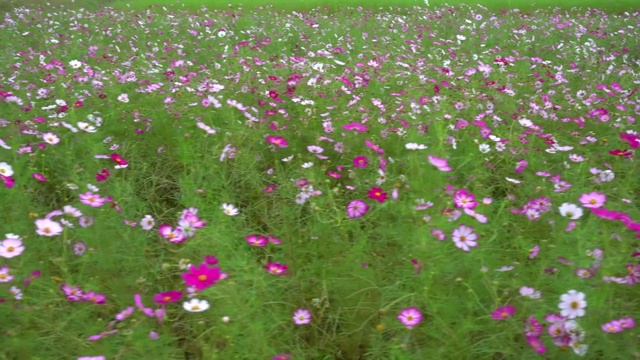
x: 48, y: 227
x: 593, y: 200
x: 464, y: 238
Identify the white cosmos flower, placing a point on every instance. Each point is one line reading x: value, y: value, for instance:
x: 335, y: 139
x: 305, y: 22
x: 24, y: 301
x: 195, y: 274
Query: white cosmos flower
x: 484, y: 148
x: 307, y: 165
x: 6, y: 169
x: 572, y: 304
x: 195, y: 305
x: 75, y: 64
x: 572, y: 211
x: 229, y: 209
x: 86, y: 127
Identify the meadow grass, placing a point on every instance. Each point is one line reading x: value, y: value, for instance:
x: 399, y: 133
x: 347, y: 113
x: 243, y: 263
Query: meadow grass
x: 125, y: 129
x: 402, y: 5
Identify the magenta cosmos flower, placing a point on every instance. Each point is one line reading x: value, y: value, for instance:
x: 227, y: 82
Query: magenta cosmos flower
x: 277, y: 141
x: 202, y: 277
x: 360, y: 162
x: 276, y: 268
x: 357, y: 208
x: 410, y: 317
x: 167, y: 297
x: 503, y: 312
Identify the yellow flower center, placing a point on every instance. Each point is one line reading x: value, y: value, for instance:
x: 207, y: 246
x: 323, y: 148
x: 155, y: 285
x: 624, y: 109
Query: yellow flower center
x: 10, y: 249
x: 195, y: 308
x: 575, y: 305
x: 166, y: 298
x: 202, y: 277
x: 46, y: 230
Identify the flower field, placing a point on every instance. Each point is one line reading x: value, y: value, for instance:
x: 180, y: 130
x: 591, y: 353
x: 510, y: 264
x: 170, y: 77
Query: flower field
x: 441, y: 182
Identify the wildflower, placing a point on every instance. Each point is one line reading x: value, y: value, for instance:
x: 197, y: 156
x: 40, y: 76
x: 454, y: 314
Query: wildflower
x: 503, y: 312
x: 229, y: 209
x: 147, y: 222
x: 202, y: 276
x: 11, y: 247
x: 571, y: 211
x: 530, y: 292
x: 276, y: 268
x: 534, y: 252
x: 464, y: 237
x: 410, y: 317
x: 195, y: 305
x: 357, y: 208
x: 95, y: 298
x: 6, y: 169
x: 360, y: 162
x: 537, y: 345
x: 176, y: 235
x: 92, y: 199
x: 572, y: 304
x: 4, y: 274
x: 282, y: 357
x: 99, y: 357
x: 167, y: 297
x: 302, y: 317
x: 612, y: 327
x: 463, y: 199
x: 440, y: 163
x: 593, y: 200
x: 48, y: 227
x: 79, y: 248
x: 277, y: 141
x: 377, y: 194
x: 257, y: 240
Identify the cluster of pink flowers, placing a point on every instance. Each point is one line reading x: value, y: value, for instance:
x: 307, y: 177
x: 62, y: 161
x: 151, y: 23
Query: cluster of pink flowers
x: 188, y: 223
x: 74, y: 293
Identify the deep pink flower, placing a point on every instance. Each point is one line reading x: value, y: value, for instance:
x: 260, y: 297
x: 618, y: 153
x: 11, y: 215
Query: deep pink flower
x: 464, y: 199
x: 202, y: 276
x: 277, y: 141
x: 377, y: 194
x: 503, y: 312
x: 440, y: 163
x: 276, y: 268
x: 360, y: 162
x: 167, y: 297
x: 257, y: 240
x: 39, y: 177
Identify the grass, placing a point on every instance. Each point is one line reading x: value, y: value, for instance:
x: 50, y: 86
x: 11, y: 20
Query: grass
x: 195, y: 103
x: 339, y: 5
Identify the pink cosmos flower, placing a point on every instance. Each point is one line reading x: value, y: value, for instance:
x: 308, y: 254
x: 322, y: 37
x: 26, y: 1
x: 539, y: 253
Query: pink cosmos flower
x: 357, y: 208
x: 119, y: 160
x: 503, y: 312
x: 48, y: 227
x: 277, y: 141
x: 464, y: 199
x: 612, y: 327
x: 537, y: 345
x: 360, y: 162
x: 534, y: 251
x: 282, y: 357
x: 522, y: 165
x: 440, y: 163
x: 173, y: 235
x: 302, y: 317
x: 11, y: 247
x: 276, y: 268
x: 39, y: 177
x: 410, y: 317
x: 257, y: 240
x: 167, y: 297
x: 202, y: 276
x: 95, y: 298
x: 377, y: 194
x: 92, y: 199
x: 593, y: 200
x: 464, y: 238
x: 99, y: 357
